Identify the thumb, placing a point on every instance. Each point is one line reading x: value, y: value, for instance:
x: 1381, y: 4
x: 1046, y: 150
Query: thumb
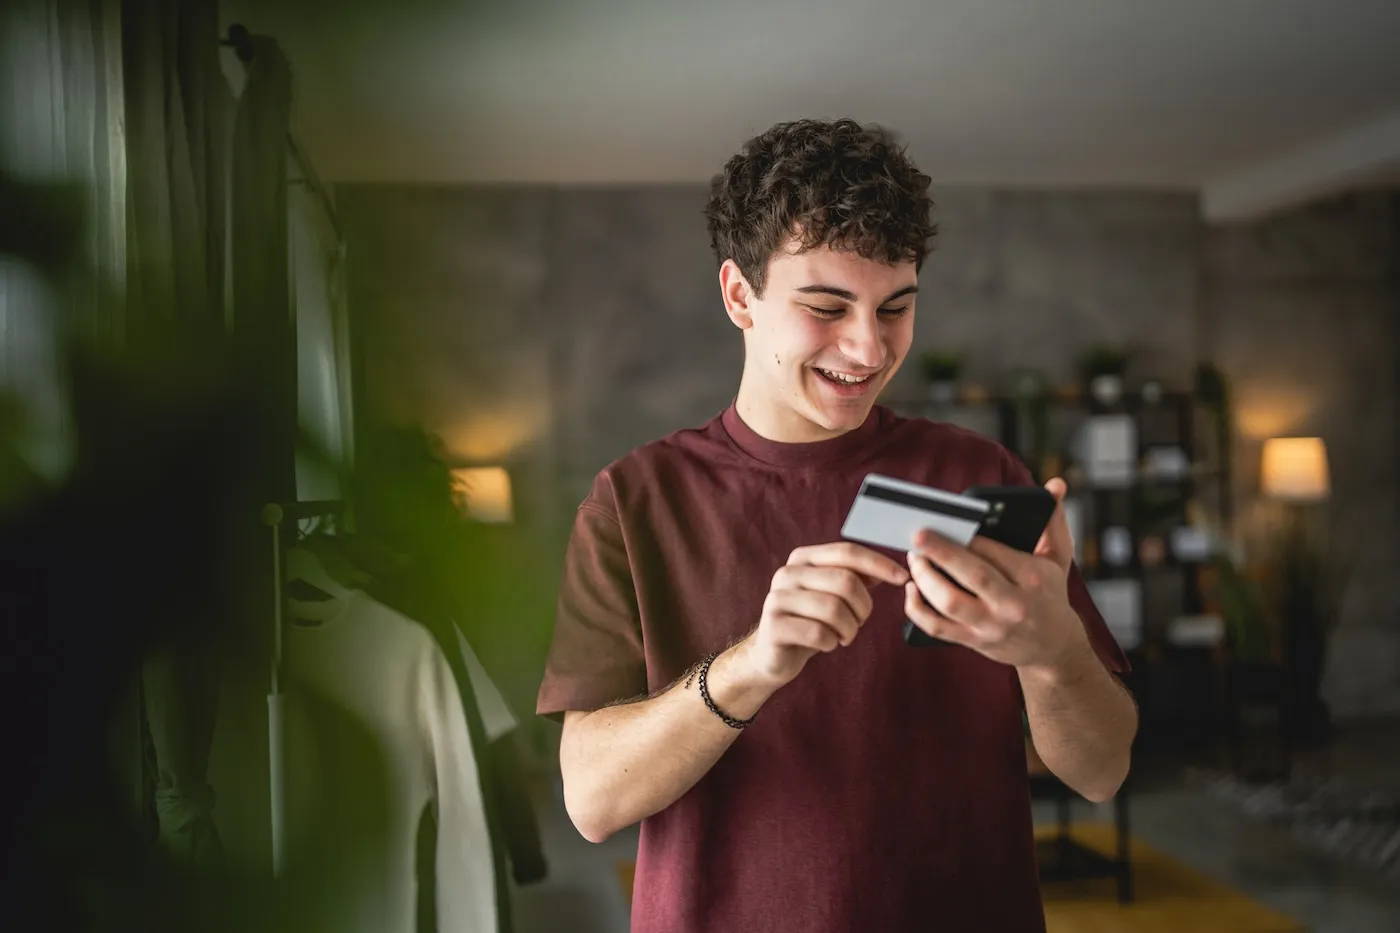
x: 1055, y: 543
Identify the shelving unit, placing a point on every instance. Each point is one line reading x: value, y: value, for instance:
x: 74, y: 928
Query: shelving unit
x: 1142, y: 527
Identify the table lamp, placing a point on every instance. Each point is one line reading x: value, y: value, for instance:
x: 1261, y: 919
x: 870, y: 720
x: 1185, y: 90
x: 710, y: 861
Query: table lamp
x: 1294, y: 473
x: 1294, y: 469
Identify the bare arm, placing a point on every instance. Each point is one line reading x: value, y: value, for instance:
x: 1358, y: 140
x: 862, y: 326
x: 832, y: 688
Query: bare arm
x: 623, y: 763
x: 1014, y: 608
x: 1082, y: 723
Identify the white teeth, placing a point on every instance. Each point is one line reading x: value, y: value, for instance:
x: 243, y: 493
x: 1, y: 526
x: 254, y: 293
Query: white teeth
x: 843, y: 377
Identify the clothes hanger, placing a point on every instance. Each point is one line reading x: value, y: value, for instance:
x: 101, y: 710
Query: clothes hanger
x: 313, y: 593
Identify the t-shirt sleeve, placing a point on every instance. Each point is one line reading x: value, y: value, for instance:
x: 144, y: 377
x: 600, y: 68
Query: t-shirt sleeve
x: 1105, y: 645
x: 596, y: 655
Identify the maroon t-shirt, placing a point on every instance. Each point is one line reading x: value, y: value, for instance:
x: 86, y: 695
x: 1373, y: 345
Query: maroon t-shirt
x: 883, y: 789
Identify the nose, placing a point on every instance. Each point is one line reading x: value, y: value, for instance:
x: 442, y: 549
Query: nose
x: 862, y: 343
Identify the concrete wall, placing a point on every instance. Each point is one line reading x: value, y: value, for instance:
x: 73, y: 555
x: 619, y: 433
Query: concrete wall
x: 589, y: 320
x: 1303, y: 312
x: 556, y: 329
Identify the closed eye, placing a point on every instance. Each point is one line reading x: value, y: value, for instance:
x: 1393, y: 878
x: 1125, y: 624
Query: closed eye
x: 837, y: 312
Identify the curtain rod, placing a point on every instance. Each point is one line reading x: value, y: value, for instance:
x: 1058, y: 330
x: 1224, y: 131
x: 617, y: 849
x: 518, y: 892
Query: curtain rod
x: 241, y: 41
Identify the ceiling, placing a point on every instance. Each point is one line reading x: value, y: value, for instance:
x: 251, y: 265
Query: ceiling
x: 1249, y: 101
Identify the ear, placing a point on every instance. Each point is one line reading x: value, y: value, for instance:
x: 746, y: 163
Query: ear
x: 737, y: 294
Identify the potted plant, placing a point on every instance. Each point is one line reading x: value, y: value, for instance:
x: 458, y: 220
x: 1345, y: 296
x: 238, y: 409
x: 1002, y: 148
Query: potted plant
x: 1308, y: 582
x: 1102, y: 367
x: 1031, y: 394
x: 1242, y: 610
x: 1212, y: 392
x: 941, y: 369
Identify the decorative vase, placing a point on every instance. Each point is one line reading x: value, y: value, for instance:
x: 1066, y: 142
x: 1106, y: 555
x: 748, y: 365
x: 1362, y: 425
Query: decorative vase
x: 1107, y: 388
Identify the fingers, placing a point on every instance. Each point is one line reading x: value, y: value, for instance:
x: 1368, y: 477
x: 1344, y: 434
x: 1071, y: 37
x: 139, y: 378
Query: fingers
x: 933, y: 622
x: 1012, y: 564
x: 852, y: 556
x: 837, y: 581
x: 1004, y: 558
x: 942, y: 595
x: 829, y: 611
x: 973, y: 571
x: 819, y: 599
x: 801, y: 632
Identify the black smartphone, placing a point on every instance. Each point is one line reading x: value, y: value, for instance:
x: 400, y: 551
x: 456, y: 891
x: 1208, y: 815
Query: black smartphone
x: 1017, y: 518
x: 1019, y: 514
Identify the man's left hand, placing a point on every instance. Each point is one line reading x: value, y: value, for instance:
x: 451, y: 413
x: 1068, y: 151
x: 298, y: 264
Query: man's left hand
x: 1017, y: 611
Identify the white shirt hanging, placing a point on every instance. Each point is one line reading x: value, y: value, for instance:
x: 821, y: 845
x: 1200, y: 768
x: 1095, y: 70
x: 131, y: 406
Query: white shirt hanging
x: 375, y: 733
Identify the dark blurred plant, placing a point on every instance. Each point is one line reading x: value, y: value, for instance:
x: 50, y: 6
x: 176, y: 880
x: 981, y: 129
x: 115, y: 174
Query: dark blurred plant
x: 1031, y: 394
x: 1309, y: 577
x: 1103, y: 360
x: 1212, y: 392
x: 1311, y: 573
x: 1243, y: 611
x: 940, y: 365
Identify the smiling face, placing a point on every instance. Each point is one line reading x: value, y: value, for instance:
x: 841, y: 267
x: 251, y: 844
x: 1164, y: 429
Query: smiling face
x: 827, y: 334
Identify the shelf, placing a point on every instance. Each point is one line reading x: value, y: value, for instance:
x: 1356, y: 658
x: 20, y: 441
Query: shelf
x: 1176, y: 693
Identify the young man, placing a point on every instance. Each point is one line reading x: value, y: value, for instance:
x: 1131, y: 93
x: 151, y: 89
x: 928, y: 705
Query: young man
x: 734, y: 676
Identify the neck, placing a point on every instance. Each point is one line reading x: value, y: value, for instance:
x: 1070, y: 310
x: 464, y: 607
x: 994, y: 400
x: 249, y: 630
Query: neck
x: 774, y: 420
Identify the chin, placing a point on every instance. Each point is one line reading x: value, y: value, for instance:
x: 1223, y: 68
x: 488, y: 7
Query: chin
x: 842, y: 414
x: 848, y: 417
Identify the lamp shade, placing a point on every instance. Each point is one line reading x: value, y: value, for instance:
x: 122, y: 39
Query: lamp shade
x: 484, y: 493
x: 1294, y: 469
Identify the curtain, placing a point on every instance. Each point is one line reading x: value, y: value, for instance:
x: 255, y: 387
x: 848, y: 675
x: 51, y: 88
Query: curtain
x: 63, y: 259
x: 178, y: 107
x: 264, y: 336
x: 124, y: 103
x: 61, y: 135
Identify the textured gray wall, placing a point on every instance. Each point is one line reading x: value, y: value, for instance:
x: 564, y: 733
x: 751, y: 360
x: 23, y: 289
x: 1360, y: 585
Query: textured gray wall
x: 594, y: 314
x: 1030, y: 278
x: 563, y: 327
x: 1302, y: 312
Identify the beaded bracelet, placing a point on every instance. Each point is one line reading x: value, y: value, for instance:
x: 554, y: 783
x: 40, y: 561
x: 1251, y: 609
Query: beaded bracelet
x: 705, y: 695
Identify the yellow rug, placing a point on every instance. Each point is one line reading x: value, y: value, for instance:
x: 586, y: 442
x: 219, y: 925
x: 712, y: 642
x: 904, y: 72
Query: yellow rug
x: 1169, y: 897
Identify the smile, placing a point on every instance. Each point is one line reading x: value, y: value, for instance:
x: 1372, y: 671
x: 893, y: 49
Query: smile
x: 845, y: 378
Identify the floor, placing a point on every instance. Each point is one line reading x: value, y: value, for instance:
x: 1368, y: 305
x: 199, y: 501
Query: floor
x: 1168, y: 812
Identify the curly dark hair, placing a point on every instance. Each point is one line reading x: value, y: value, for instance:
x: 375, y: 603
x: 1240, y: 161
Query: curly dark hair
x: 832, y: 183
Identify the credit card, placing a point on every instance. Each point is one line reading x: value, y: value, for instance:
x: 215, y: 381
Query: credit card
x: 889, y: 512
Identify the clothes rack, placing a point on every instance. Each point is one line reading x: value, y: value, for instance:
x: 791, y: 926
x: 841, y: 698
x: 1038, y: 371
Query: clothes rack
x: 241, y: 41
x: 278, y: 517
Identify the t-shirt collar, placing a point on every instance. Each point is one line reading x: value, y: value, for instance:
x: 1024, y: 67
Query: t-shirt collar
x: 808, y: 453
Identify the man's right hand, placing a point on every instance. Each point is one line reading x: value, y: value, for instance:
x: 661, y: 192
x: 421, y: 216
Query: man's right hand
x: 818, y: 601
x: 623, y: 763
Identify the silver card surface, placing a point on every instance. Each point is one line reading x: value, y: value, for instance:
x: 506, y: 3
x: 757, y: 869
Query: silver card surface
x: 889, y: 512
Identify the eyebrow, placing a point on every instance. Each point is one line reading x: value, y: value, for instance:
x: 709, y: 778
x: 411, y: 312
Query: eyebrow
x: 845, y: 295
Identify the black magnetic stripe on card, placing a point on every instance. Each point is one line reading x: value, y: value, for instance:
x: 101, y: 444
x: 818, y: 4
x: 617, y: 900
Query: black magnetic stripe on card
x: 924, y: 503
